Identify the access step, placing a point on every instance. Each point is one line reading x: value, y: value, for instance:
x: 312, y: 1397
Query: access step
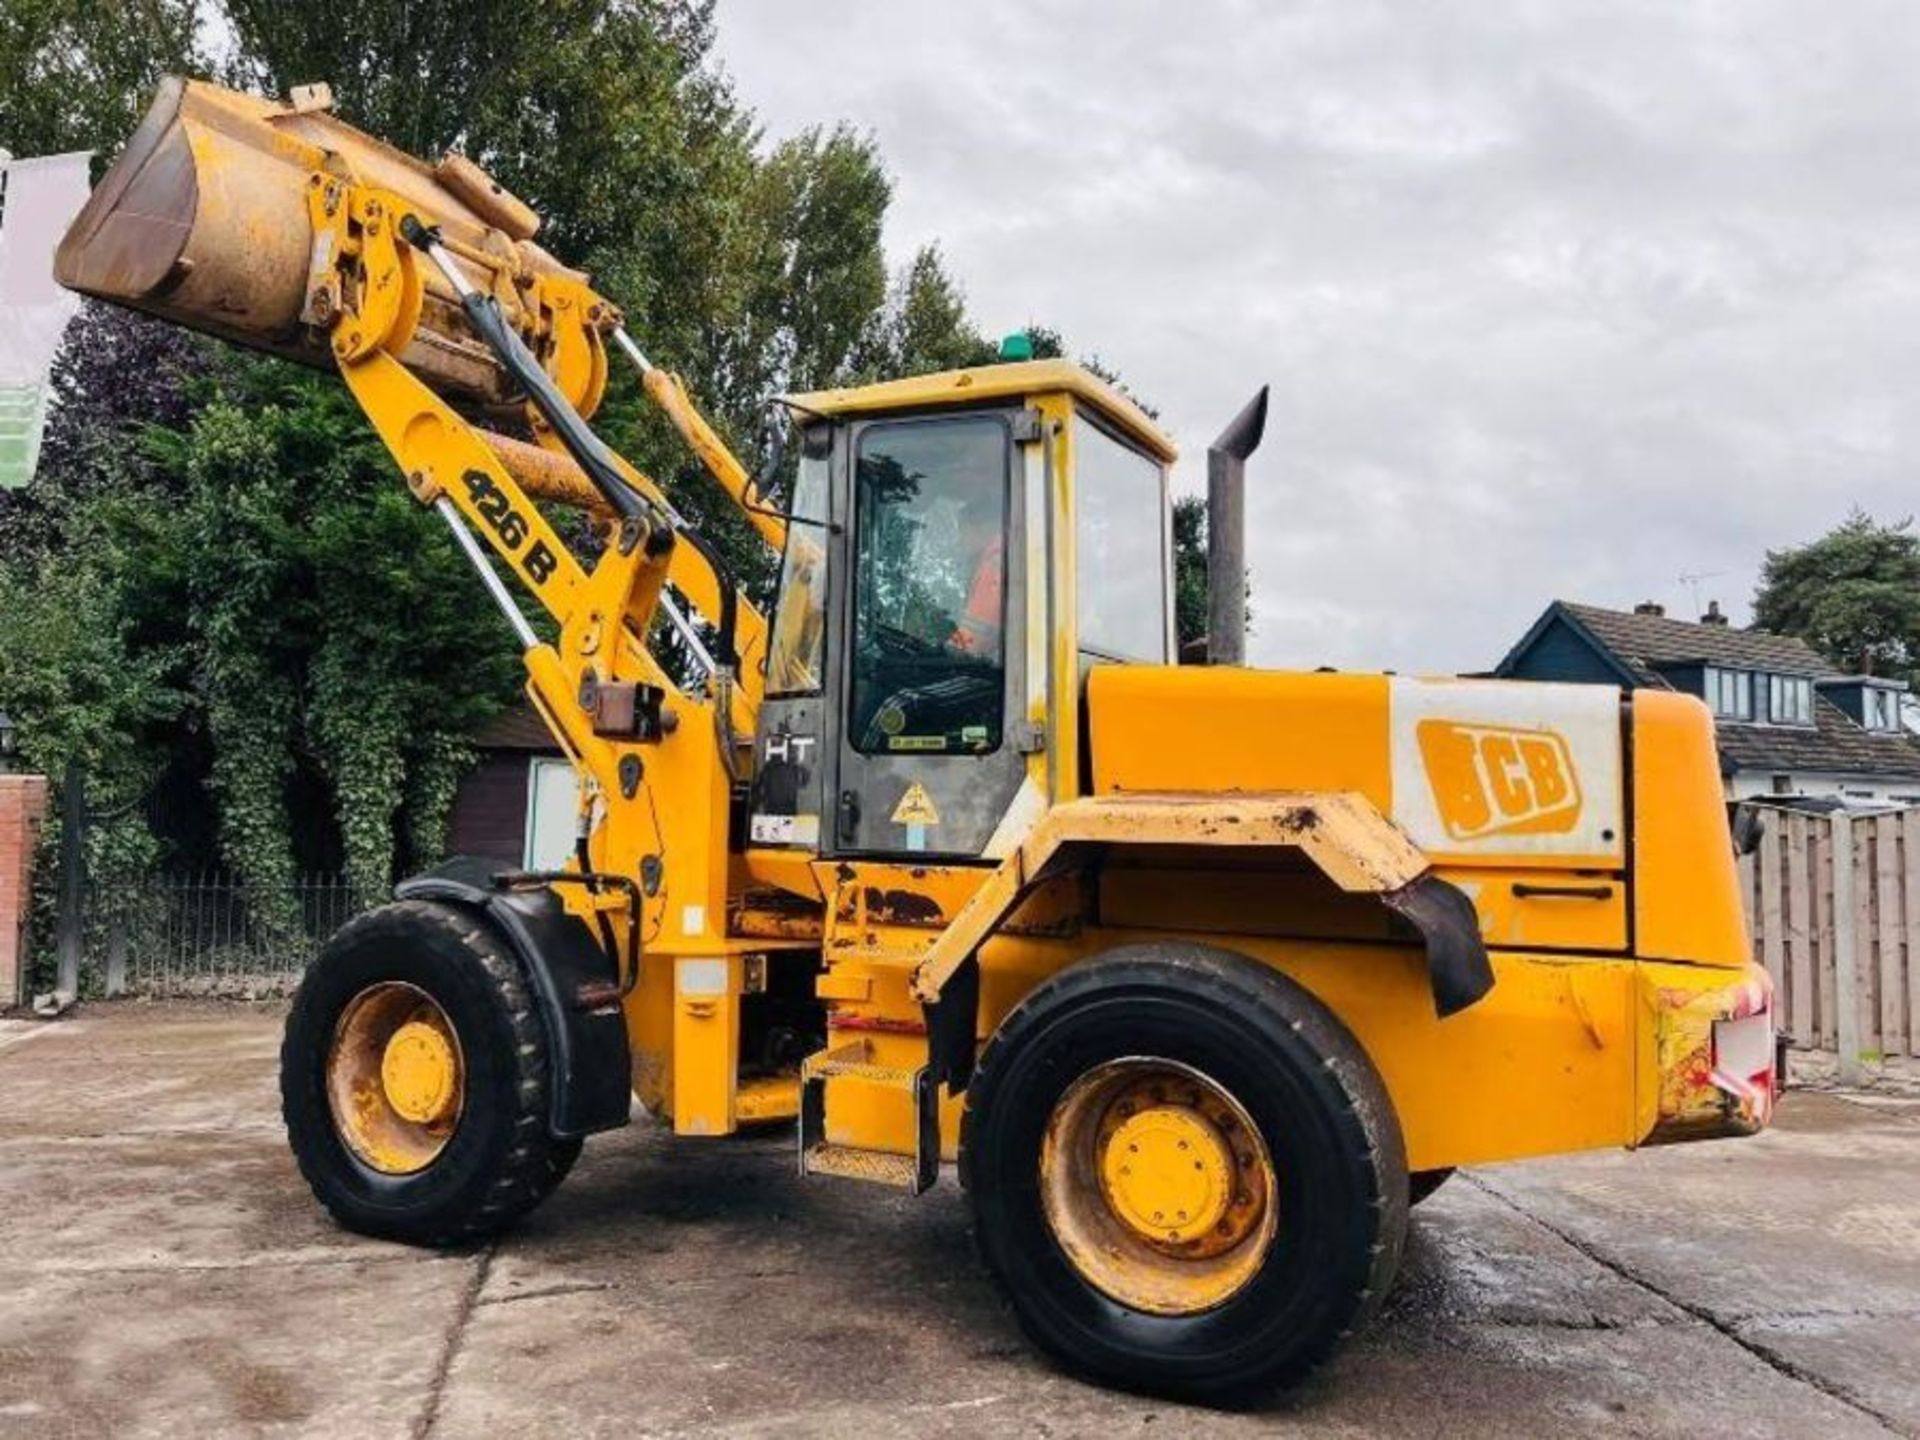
x: 856, y: 1062
x: 878, y: 1167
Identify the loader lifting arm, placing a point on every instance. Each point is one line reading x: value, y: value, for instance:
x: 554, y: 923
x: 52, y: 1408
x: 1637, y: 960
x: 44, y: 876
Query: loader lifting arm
x: 283, y: 228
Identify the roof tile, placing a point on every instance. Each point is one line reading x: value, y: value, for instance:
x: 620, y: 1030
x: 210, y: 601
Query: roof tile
x: 1652, y: 640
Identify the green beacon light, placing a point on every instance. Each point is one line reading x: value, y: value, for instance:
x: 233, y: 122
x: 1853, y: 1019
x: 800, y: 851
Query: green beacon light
x: 1017, y: 346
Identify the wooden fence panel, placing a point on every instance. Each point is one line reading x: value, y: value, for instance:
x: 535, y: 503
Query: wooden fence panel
x: 1888, y: 968
x: 1796, y: 881
x: 1910, y: 887
x: 1788, y: 887
x: 1769, y: 909
x: 1820, y: 881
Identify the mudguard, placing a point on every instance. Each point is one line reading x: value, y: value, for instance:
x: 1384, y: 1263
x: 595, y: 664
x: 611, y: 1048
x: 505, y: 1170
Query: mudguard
x: 1457, y: 964
x: 575, y: 983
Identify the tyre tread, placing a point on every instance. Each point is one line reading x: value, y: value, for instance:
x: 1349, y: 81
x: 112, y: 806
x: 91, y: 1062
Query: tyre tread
x: 536, y: 1164
x: 1236, y: 983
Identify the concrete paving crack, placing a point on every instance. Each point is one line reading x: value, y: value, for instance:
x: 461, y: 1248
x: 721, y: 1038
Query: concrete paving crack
x: 548, y: 1292
x: 263, y: 1260
x: 1881, y: 1107
x: 1799, y: 1317
x: 155, y: 1132
x: 1585, y: 1322
x: 1767, y: 1356
x: 450, y: 1351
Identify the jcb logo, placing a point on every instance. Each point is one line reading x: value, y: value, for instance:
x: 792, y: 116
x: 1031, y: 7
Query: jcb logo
x: 1493, y: 781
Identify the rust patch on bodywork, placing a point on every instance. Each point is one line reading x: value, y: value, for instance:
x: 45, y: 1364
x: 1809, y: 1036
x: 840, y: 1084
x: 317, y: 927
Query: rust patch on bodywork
x: 1697, y: 1101
x: 903, y: 907
x: 771, y: 914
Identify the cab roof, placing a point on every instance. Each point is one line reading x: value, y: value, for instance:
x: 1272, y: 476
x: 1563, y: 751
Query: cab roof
x: 1012, y: 381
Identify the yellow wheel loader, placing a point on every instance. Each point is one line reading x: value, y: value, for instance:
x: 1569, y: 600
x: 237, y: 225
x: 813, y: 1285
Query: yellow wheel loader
x: 1201, y: 975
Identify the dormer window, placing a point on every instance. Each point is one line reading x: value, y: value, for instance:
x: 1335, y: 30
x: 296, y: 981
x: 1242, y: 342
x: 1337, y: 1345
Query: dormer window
x: 1789, y: 700
x: 1880, y: 707
x: 1870, y: 702
x: 1730, y: 693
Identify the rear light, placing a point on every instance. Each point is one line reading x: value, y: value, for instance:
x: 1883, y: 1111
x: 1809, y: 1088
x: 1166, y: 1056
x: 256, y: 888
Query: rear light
x: 1744, y: 1050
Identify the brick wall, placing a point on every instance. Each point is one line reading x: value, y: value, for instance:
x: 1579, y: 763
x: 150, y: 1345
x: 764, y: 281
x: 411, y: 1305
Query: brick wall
x: 23, y: 808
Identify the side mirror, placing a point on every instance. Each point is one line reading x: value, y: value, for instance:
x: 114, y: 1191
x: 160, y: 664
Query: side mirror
x: 1746, y: 822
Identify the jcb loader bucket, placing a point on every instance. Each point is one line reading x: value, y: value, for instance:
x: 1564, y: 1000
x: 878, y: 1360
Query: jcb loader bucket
x: 203, y: 221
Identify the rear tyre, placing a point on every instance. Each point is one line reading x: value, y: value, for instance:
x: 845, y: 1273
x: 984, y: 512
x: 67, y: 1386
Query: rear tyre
x: 414, y: 1079
x: 1104, y: 1117
x: 1422, y: 1183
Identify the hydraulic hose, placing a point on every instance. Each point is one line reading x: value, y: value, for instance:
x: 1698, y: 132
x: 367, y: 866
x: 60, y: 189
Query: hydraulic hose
x: 589, y: 451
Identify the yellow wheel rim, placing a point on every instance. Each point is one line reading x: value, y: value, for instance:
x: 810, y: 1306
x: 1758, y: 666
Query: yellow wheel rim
x: 1158, y: 1187
x: 395, y: 1078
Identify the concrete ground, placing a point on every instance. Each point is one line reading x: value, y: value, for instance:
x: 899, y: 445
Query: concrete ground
x: 163, y: 1271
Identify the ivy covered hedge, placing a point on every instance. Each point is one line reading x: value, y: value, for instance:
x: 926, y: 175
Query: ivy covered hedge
x: 246, y: 593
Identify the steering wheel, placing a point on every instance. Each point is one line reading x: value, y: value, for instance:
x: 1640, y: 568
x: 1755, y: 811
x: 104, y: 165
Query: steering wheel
x: 898, y: 644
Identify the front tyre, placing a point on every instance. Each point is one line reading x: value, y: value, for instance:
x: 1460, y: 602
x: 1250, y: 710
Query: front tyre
x: 413, y: 1079
x: 1184, y: 1171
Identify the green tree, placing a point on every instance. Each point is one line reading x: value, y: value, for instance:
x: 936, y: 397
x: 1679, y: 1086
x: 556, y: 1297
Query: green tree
x: 1190, y: 579
x: 330, y: 620
x: 1189, y: 570
x: 76, y: 74
x: 71, y: 676
x: 1853, y: 594
x: 924, y: 325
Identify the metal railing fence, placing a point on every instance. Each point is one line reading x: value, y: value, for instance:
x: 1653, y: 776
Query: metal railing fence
x: 208, y: 933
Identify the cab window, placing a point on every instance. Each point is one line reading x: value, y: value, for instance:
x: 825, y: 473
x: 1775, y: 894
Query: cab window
x: 1120, y: 547
x: 800, y: 617
x: 930, y: 581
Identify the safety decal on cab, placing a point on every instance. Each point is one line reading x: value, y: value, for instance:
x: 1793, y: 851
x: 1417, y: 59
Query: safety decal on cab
x: 916, y: 807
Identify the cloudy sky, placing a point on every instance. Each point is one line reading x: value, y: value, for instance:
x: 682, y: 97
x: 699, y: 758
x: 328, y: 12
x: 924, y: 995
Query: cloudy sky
x: 1556, y: 298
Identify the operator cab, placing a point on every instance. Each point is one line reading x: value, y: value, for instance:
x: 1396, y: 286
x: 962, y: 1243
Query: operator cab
x: 959, y: 542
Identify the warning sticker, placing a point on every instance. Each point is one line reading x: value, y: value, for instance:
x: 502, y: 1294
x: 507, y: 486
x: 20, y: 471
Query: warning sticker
x: 916, y: 807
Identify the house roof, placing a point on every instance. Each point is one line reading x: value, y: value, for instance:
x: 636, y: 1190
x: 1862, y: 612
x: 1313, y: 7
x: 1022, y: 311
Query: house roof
x: 1645, y: 642
x: 516, y: 728
x: 1834, y: 743
x: 1640, y: 646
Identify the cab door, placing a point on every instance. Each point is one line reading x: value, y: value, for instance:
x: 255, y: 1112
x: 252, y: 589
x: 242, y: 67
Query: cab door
x: 930, y: 628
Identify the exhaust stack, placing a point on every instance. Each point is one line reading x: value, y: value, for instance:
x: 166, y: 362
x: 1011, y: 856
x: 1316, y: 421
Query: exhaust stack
x: 1227, y: 532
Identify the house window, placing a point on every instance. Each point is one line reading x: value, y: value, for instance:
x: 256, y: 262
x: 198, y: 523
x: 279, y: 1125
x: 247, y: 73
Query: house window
x: 1783, y: 784
x: 1730, y: 693
x: 1879, y: 707
x: 1789, y: 700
